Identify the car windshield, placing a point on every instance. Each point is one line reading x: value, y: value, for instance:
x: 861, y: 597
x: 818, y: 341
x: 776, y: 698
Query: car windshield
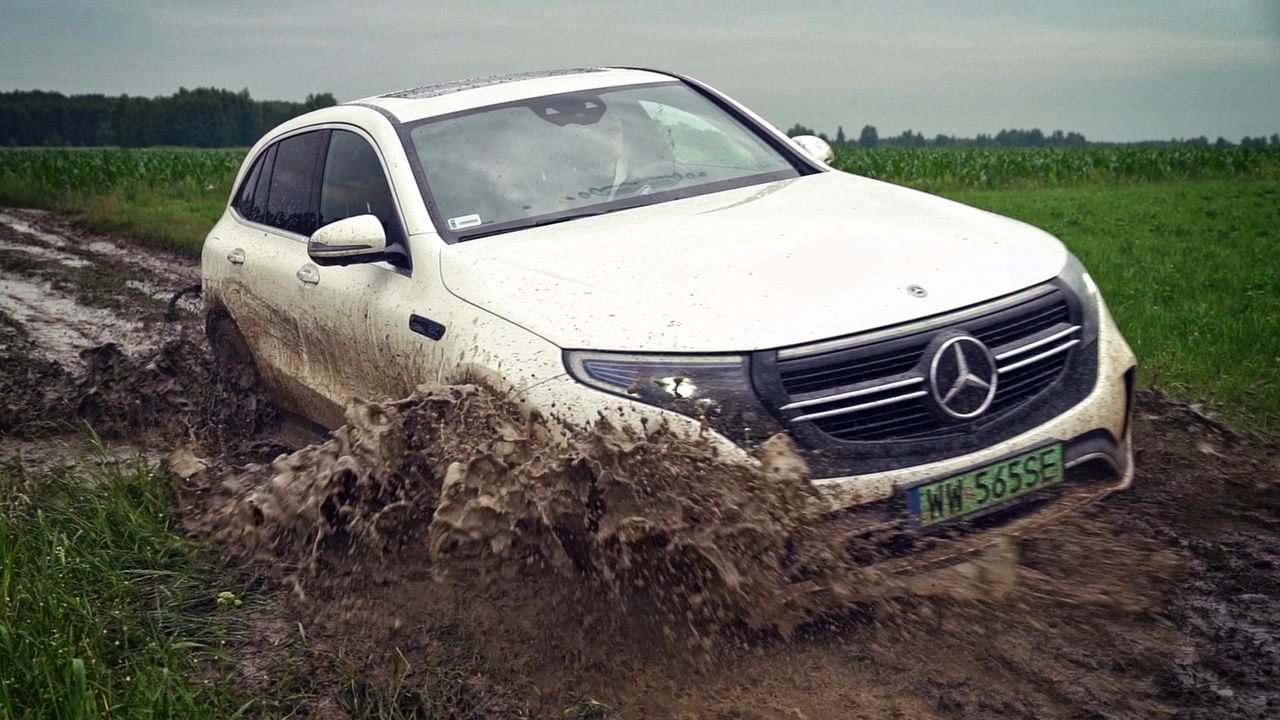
x: 560, y: 157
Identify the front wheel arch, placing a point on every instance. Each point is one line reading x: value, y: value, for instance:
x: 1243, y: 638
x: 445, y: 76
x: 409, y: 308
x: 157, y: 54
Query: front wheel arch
x: 232, y: 359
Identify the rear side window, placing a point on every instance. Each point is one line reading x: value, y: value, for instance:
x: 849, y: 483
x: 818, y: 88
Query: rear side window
x: 251, y: 200
x: 279, y: 189
x: 354, y: 184
x: 264, y: 183
x: 289, y: 197
x: 244, y: 198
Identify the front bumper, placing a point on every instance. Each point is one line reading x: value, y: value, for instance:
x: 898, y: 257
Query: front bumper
x: 1095, y: 430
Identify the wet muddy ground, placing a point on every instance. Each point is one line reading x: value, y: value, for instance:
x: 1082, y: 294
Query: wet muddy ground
x: 443, y: 545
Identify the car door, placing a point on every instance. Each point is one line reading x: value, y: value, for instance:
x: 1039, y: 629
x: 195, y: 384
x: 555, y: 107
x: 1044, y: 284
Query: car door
x: 362, y: 342
x: 269, y: 277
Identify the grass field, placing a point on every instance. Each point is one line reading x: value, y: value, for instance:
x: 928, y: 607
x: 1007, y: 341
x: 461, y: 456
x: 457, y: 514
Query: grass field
x: 171, y: 196
x: 1190, y: 272
x: 1182, y: 240
x: 104, y: 612
x: 947, y: 169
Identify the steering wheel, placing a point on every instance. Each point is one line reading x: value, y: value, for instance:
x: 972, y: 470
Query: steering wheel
x: 650, y: 178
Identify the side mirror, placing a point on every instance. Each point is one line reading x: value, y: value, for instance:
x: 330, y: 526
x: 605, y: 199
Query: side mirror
x: 816, y: 148
x: 355, y: 239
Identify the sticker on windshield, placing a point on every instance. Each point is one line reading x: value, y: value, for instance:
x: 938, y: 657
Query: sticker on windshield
x: 464, y: 221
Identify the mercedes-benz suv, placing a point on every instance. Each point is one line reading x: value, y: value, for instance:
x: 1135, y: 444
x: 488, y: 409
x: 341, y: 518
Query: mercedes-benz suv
x: 637, y: 242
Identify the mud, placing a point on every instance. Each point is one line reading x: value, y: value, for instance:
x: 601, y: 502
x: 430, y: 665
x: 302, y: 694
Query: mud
x: 444, y: 543
x: 70, y: 290
x: 455, y: 477
x: 81, y: 342
x: 613, y: 570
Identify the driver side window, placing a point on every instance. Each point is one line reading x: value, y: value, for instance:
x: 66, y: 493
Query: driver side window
x: 354, y: 184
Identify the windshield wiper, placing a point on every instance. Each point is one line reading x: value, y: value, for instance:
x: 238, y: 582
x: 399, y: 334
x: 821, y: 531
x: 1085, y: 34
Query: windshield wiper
x: 566, y: 218
x: 499, y: 229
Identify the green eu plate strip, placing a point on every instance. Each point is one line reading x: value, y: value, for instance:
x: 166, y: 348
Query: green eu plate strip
x: 988, y: 486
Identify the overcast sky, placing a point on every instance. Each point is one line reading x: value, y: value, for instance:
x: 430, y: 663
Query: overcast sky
x: 1114, y: 70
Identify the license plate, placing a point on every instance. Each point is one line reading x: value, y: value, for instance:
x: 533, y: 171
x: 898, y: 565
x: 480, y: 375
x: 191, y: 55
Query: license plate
x: 984, y: 487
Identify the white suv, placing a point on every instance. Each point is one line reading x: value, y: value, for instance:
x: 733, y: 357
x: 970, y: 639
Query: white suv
x: 639, y: 243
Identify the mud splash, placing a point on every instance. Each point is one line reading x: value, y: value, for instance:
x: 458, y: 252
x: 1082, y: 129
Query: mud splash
x: 596, y: 564
x: 458, y: 477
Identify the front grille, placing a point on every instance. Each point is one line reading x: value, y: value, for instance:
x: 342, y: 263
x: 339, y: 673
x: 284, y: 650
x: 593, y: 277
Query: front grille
x: 877, y: 390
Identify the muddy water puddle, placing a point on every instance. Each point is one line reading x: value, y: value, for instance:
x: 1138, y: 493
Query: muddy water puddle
x: 43, y: 252
x: 57, y: 284
x: 21, y: 222
x: 59, y: 326
x: 52, y: 237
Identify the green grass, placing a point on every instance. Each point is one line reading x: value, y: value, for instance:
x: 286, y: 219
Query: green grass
x: 169, y: 196
x: 107, y: 611
x: 1190, y: 272
x: 104, y: 612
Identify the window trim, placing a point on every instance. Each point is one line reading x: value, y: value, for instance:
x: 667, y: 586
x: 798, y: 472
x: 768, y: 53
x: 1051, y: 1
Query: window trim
x: 312, y: 199
x: 318, y: 180
x: 396, y: 209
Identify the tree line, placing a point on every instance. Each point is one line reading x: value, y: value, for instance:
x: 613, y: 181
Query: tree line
x: 213, y: 117
x: 869, y: 138
x: 203, y: 117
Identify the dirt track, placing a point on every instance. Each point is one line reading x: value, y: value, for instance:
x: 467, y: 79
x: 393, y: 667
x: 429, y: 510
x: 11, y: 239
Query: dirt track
x: 1163, y: 602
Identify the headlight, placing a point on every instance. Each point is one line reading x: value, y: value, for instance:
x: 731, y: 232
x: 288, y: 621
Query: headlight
x: 714, y: 389
x: 1078, y: 279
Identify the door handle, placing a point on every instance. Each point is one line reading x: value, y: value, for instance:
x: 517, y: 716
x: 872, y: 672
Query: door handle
x: 309, y: 274
x: 236, y: 257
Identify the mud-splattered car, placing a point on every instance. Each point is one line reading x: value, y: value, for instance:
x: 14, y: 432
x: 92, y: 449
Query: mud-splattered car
x: 636, y: 244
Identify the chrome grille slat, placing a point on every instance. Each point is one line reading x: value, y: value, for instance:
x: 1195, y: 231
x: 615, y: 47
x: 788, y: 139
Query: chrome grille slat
x: 1038, y: 343
x: 1047, y: 353
x: 995, y: 337
x: 863, y: 406
x: 853, y: 394
x: 799, y: 382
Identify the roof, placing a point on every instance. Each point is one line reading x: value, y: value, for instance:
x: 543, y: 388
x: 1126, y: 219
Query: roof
x: 454, y: 96
x: 444, y: 88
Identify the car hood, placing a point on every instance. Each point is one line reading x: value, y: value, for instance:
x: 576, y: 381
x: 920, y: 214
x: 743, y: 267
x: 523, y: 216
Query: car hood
x: 760, y: 267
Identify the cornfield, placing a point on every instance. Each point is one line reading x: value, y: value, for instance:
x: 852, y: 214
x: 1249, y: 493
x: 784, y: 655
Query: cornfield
x: 170, y: 196
x: 993, y: 168
x: 58, y: 171
x: 27, y: 174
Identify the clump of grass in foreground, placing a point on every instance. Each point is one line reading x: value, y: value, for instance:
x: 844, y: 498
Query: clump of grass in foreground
x: 103, y: 611
x: 1190, y: 274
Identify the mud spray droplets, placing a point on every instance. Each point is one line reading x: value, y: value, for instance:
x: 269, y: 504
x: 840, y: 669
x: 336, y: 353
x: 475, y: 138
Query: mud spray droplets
x: 456, y: 477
